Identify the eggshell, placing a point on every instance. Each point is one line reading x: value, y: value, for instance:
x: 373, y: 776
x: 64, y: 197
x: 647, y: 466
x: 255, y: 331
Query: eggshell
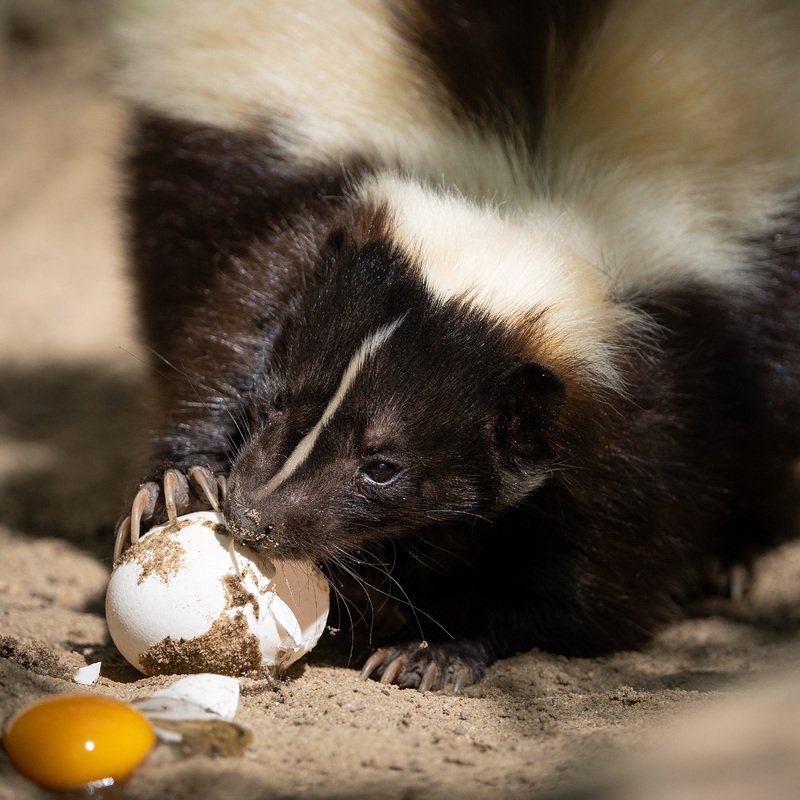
x: 88, y: 675
x: 181, y: 601
x: 195, y: 697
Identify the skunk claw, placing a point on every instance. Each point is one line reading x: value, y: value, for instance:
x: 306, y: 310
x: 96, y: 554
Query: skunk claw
x: 222, y: 483
x: 176, y: 494
x: 142, y: 507
x: 372, y: 663
x: 122, y: 538
x: 203, y: 480
x: 429, y: 677
x: 393, y: 669
x: 462, y: 678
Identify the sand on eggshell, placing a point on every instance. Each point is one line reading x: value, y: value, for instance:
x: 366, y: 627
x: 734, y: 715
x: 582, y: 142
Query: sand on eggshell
x: 228, y: 647
x: 163, y: 558
x: 238, y: 595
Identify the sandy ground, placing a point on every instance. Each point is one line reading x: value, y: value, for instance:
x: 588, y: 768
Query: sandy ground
x: 710, y: 709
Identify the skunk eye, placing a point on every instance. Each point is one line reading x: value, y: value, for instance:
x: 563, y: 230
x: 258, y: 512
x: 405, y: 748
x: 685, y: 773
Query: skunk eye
x: 380, y: 473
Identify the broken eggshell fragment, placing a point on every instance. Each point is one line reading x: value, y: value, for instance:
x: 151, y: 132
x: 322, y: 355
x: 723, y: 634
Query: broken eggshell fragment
x: 197, y: 714
x: 188, y: 599
x: 194, y: 697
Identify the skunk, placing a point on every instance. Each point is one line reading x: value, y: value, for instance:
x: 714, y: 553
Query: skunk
x: 491, y: 309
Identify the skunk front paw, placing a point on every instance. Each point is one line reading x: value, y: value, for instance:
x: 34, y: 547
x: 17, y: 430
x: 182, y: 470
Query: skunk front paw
x: 178, y: 493
x: 451, y: 666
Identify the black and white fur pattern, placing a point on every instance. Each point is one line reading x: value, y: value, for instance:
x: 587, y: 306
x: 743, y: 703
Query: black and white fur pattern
x: 494, y: 303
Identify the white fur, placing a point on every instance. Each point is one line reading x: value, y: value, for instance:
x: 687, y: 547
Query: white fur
x: 509, y: 263
x: 329, y: 77
x: 302, y: 451
x: 679, y: 136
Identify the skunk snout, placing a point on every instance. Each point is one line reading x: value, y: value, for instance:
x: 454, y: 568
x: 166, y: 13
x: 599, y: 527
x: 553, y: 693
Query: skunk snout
x: 242, y: 530
x: 245, y: 523
x: 280, y: 522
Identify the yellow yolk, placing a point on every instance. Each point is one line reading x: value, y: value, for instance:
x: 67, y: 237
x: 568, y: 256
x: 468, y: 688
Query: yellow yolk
x: 70, y: 740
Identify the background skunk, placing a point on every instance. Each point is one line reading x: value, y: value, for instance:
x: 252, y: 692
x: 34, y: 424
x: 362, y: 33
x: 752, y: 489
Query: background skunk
x: 491, y: 308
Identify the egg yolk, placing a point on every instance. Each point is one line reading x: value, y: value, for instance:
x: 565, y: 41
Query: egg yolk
x: 70, y: 740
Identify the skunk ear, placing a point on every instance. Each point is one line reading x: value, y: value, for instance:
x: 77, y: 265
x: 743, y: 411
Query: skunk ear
x: 530, y: 399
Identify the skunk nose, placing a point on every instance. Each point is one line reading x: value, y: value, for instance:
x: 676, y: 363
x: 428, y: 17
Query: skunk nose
x: 246, y: 524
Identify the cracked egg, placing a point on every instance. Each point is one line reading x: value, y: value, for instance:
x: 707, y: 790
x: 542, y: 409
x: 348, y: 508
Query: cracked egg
x: 187, y: 598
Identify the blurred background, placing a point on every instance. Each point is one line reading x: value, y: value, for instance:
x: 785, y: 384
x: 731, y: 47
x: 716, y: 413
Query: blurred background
x: 70, y: 374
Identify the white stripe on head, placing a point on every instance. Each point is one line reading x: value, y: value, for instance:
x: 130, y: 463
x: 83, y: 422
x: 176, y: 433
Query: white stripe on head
x: 366, y: 350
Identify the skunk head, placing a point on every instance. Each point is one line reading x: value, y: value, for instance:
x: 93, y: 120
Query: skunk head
x: 387, y: 411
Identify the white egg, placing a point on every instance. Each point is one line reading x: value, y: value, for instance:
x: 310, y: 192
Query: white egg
x: 185, y: 600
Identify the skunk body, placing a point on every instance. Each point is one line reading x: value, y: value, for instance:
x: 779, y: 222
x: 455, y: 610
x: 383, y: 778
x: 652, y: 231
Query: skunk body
x: 499, y: 306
